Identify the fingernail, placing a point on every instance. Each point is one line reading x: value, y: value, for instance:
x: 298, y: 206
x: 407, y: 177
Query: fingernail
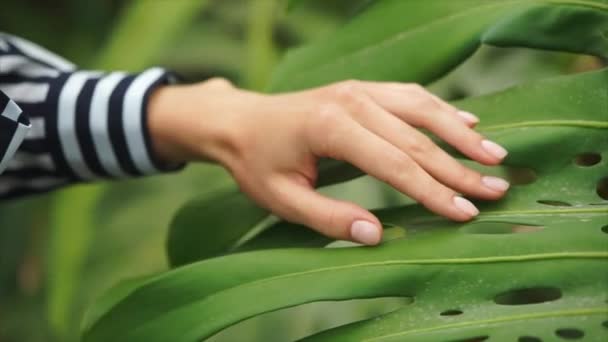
x: 495, y: 183
x: 494, y: 149
x: 466, y: 206
x: 468, y: 117
x: 365, y: 232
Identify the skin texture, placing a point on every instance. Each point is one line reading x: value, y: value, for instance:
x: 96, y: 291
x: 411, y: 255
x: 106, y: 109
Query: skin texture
x: 271, y: 144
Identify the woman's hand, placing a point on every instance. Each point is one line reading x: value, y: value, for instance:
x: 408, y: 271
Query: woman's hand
x: 271, y: 145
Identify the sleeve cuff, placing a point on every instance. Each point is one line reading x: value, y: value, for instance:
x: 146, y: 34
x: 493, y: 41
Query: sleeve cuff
x: 100, y: 127
x: 13, y: 128
x: 165, y: 78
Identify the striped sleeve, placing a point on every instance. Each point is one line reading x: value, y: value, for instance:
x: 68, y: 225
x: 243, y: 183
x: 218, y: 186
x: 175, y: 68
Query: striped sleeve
x: 13, y: 128
x: 83, y: 125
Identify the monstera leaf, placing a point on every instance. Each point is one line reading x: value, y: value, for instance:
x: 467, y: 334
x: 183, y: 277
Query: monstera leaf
x: 532, y: 266
x: 416, y: 41
x: 419, y: 41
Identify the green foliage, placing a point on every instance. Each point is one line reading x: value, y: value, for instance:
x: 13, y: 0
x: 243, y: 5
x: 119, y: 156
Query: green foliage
x: 158, y: 21
x: 183, y: 249
x: 71, y: 237
x: 532, y: 264
x: 59, y: 251
x: 71, y: 220
x: 419, y: 41
x: 557, y: 246
x: 365, y: 49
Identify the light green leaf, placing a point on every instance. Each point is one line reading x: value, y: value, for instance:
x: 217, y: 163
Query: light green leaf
x: 556, y: 249
x: 145, y: 29
x: 419, y: 41
x: 72, y: 228
x: 72, y: 224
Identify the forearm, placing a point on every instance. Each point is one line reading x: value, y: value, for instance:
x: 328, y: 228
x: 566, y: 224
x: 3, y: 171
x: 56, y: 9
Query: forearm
x: 198, y: 122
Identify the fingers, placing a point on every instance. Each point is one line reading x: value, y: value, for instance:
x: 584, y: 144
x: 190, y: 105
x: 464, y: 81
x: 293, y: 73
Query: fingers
x: 418, y: 107
x: 412, y: 89
x: 298, y: 202
x: 349, y: 141
x: 426, y: 153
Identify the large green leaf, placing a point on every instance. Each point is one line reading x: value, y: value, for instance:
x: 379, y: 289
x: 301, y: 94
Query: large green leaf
x: 419, y: 41
x: 556, y: 248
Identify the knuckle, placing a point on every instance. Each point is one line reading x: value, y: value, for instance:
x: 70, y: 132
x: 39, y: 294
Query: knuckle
x: 469, y: 178
x: 329, y: 117
x: 400, y: 170
x: 415, y: 88
x: 430, y: 104
x: 327, y: 127
x: 422, y: 146
x: 219, y: 82
x: 282, y: 202
x: 431, y: 192
x: 421, y: 98
x: 469, y: 139
x: 426, y: 106
x: 347, y: 92
x: 328, y: 217
x: 475, y: 138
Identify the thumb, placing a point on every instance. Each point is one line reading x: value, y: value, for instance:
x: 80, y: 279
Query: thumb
x: 341, y: 220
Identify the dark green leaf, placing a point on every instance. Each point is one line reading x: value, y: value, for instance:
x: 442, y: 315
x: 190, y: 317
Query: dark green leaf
x: 189, y: 240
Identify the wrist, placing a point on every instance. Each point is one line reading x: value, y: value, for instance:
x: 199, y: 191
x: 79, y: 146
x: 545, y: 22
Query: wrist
x: 162, y: 126
x: 195, y: 122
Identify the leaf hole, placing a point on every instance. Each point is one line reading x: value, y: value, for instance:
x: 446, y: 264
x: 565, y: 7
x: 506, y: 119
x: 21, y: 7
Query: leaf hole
x: 451, y: 312
x: 554, y: 203
x: 605, y: 324
x: 533, y: 295
x: 521, y: 228
x: 602, y: 188
x: 529, y: 339
x: 569, y: 333
x: 587, y: 159
x: 499, y: 228
x: 605, y: 229
x: 520, y: 175
x: 472, y: 339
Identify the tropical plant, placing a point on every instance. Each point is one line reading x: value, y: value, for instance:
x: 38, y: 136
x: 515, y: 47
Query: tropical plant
x: 531, y: 267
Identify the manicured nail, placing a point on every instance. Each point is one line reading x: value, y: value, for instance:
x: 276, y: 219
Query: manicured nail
x: 495, y: 183
x: 468, y: 117
x: 365, y: 232
x: 466, y: 206
x: 494, y: 149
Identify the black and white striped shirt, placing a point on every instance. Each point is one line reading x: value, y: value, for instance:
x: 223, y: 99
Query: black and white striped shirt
x: 60, y: 125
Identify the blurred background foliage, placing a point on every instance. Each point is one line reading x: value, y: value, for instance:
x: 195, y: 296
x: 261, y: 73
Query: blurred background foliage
x: 59, y: 251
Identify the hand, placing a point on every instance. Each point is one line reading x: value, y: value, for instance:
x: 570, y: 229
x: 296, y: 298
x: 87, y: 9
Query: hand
x: 271, y: 145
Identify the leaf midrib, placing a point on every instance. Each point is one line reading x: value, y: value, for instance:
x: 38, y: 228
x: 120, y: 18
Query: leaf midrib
x: 550, y: 123
x: 509, y: 213
x: 537, y: 315
x: 444, y: 261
